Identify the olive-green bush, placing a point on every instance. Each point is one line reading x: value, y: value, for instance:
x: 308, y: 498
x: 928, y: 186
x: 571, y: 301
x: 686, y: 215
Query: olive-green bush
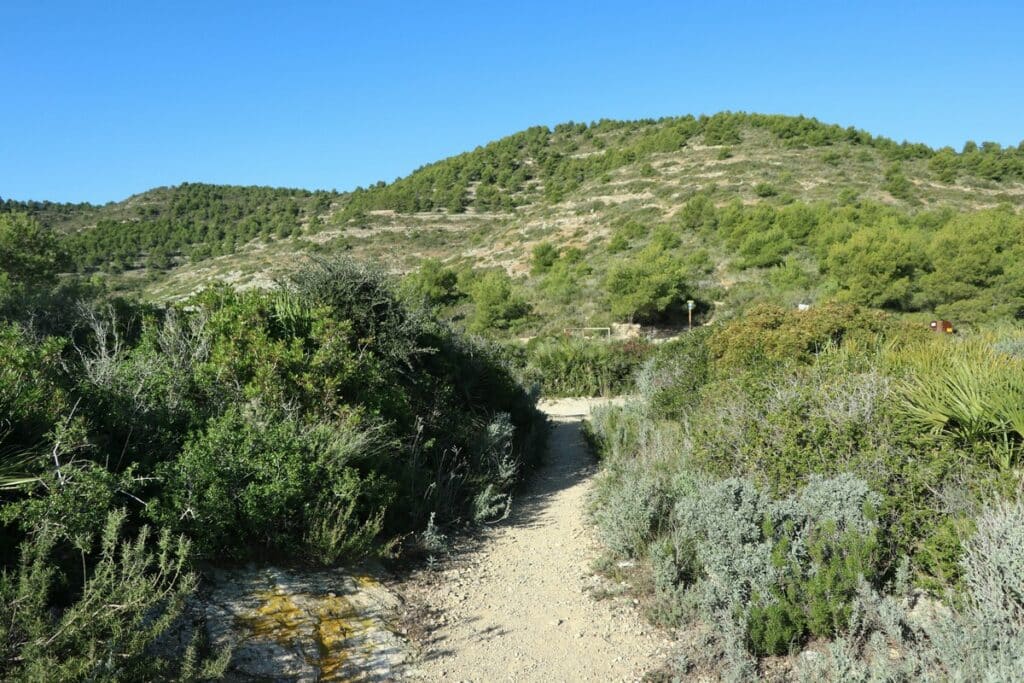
x: 315, y: 423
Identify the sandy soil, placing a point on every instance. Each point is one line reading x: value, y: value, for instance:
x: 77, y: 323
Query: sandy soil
x: 516, y: 605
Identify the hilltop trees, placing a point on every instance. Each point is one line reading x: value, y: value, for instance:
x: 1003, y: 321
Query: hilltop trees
x: 193, y: 221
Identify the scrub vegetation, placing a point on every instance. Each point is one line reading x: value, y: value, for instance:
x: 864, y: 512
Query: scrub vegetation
x: 819, y: 482
x: 318, y: 423
x: 808, y: 485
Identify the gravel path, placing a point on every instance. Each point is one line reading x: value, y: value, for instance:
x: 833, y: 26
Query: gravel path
x: 516, y: 605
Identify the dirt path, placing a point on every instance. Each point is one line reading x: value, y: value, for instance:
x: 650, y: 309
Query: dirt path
x: 516, y: 606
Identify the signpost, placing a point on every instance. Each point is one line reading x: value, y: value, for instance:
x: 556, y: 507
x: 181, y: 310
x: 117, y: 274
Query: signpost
x: 690, y: 305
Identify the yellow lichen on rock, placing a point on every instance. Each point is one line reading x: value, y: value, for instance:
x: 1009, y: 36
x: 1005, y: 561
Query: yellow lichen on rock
x: 331, y: 621
x: 277, y: 617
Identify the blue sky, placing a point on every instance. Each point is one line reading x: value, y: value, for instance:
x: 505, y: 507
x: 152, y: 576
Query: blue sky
x: 102, y: 100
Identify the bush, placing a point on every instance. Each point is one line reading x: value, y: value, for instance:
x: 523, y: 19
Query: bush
x: 645, y: 287
x: 628, y: 514
x: 496, y: 303
x: 261, y: 484
x: 432, y: 285
x: 770, y: 333
x: 671, y: 379
x: 785, y: 568
x: 542, y: 257
x: 878, y: 266
x: 580, y: 367
x: 131, y: 596
x: 971, y: 392
x: 315, y: 423
x: 982, y: 640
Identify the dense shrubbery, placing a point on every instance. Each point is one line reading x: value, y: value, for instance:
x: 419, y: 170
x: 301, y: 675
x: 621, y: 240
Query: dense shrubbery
x: 962, y: 266
x: 318, y: 422
x: 790, y: 475
x: 645, y: 287
x: 583, y: 367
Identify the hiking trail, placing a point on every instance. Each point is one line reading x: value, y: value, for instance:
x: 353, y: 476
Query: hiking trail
x: 515, y: 604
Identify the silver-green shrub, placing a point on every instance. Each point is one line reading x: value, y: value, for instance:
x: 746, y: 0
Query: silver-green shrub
x: 628, y: 512
x: 984, y: 639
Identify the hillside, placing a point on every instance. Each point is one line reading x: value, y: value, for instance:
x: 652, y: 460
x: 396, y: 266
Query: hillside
x: 606, y: 189
x: 822, y: 492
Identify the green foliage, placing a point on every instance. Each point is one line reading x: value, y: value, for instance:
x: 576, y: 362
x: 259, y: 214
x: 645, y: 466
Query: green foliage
x: 314, y: 423
x: 250, y: 482
x: 565, y: 279
x: 671, y: 379
x: 811, y: 465
x: 699, y: 214
x: 763, y: 249
x: 542, y: 257
x: 877, y: 267
x: 130, y: 597
x: 819, y: 602
x: 897, y: 184
x: 192, y: 220
x: 504, y: 171
x: 432, y: 285
x: 30, y: 259
x: 973, y: 393
x: 976, y: 271
x: 722, y: 129
x: 646, y: 286
x: 497, y: 305
x: 580, y: 367
x: 30, y: 255
x: 769, y: 333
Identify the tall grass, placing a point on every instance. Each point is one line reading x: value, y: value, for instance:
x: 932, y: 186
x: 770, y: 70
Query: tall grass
x: 581, y: 367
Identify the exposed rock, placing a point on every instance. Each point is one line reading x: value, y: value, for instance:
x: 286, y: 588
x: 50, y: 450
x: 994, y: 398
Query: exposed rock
x: 289, y: 625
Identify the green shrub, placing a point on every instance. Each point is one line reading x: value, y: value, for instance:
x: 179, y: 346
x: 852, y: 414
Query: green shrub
x: 985, y: 639
x: 628, y: 515
x: 878, y: 266
x: 770, y: 333
x: 581, y: 367
x: 130, y: 597
x: 785, y: 568
x: 671, y: 379
x: 645, y: 287
x: 497, y: 305
x: 251, y: 484
x: 971, y: 392
x: 614, y: 431
x: 542, y: 257
x: 432, y: 285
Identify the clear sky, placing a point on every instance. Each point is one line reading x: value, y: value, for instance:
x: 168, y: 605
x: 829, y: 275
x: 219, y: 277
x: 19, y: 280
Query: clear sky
x: 100, y: 100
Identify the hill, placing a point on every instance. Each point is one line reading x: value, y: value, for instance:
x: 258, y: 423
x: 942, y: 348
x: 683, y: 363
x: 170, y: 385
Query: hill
x: 710, y: 189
